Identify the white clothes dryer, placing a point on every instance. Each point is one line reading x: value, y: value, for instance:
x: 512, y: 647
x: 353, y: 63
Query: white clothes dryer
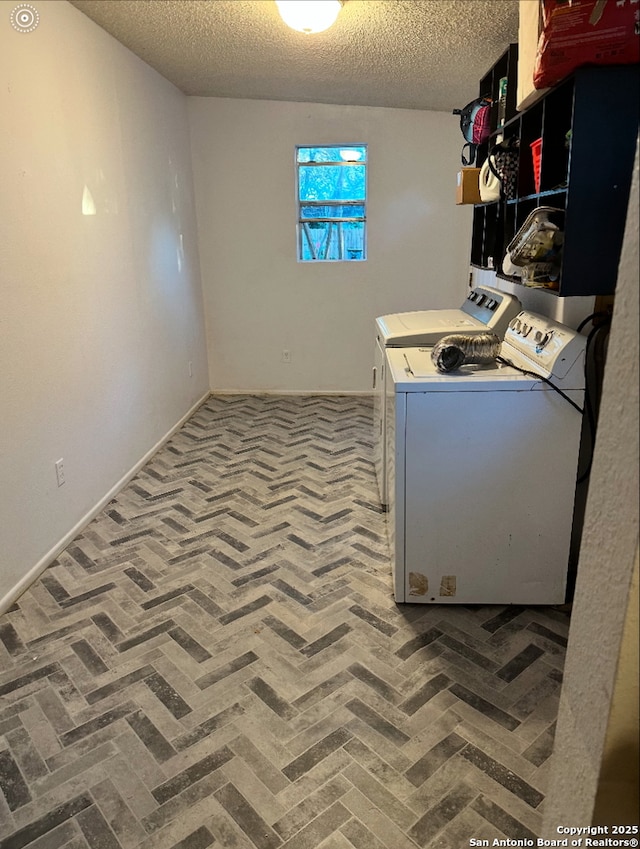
x: 482, y: 469
x: 484, y: 309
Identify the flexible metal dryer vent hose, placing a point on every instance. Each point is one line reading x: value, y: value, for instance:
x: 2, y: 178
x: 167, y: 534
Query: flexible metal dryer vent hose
x: 459, y: 349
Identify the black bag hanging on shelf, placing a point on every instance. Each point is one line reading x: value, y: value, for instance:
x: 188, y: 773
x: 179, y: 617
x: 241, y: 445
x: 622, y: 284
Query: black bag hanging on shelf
x: 502, y: 161
x: 474, y: 125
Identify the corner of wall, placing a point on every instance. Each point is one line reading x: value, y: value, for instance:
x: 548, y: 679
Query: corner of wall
x: 608, y: 557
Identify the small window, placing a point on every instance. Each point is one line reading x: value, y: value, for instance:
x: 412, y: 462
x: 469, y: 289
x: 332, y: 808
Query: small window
x: 332, y: 196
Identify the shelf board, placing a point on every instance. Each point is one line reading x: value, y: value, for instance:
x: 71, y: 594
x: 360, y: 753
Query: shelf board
x: 481, y: 267
x: 536, y: 195
x: 512, y: 278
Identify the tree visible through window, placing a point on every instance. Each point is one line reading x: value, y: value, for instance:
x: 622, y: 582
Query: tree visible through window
x: 332, y: 194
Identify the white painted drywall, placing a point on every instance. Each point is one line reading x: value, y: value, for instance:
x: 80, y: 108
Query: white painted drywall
x: 259, y: 299
x: 607, y: 558
x: 618, y: 795
x: 101, y: 313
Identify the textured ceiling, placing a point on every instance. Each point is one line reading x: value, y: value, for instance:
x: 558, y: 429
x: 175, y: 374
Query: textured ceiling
x: 415, y: 54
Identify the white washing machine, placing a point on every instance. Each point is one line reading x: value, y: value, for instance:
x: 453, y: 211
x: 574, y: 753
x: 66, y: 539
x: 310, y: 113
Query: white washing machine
x: 482, y: 466
x: 484, y: 309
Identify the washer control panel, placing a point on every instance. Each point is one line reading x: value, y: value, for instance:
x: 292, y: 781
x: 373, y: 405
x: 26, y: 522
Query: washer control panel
x: 542, y: 344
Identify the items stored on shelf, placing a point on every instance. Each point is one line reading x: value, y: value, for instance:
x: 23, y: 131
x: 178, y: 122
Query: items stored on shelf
x: 585, y: 32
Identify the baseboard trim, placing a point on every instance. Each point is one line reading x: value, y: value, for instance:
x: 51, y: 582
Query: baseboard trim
x: 14, y: 594
x: 313, y: 392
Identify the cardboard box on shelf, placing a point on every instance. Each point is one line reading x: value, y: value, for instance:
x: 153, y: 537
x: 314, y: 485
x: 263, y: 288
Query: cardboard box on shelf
x: 468, y: 187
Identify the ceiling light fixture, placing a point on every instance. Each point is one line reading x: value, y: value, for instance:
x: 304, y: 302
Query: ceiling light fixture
x: 309, y: 16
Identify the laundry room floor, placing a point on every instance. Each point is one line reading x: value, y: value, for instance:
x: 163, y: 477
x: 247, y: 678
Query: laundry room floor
x: 217, y: 660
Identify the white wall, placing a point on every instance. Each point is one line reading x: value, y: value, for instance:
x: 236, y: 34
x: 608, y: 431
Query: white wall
x: 259, y: 299
x: 619, y: 779
x: 99, y: 314
x: 607, y: 558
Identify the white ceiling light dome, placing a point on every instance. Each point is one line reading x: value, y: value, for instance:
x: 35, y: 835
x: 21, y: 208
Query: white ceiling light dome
x: 309, y: 16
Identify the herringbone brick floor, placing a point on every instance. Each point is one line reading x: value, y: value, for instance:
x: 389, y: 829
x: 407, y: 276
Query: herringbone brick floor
x: 218, y: 661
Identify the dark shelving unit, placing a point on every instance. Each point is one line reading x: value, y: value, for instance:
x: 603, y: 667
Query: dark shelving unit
x: 588, y: 125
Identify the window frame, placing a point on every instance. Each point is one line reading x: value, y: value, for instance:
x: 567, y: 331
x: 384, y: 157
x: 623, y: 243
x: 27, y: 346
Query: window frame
x: 301, y: 228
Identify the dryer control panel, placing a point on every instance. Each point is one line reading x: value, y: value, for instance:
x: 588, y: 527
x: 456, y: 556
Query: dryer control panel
x: 544, y: 346
x: 483, y: 309
x: 491, y: 307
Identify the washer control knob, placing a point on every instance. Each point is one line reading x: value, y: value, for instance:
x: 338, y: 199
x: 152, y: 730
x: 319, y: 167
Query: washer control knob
x: 480, y: 299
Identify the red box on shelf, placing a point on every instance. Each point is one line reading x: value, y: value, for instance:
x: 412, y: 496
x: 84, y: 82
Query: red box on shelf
x: 536, y: 154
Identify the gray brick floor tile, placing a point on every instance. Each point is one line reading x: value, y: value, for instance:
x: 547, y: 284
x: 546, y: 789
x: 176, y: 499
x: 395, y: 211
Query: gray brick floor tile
x: 217, y: 659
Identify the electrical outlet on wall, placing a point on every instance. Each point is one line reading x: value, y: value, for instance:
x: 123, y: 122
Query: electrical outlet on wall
x: 286, y: 355
x: 60, y: 471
